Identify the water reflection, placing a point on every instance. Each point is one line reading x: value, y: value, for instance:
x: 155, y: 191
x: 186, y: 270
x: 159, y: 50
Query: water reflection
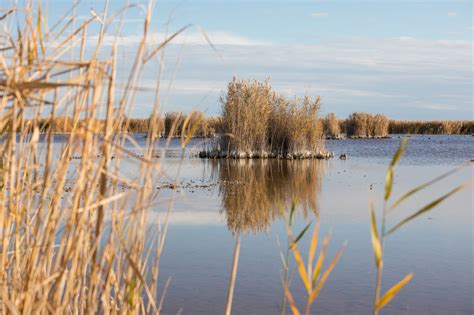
x: 252, y: 190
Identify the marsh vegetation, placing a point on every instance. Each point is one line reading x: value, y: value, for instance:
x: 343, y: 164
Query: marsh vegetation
x: 79, y: 235
x: 257, y: 122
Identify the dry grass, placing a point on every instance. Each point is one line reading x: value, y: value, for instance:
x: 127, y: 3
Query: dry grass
x: 86, y: 249
x: 81, y: 249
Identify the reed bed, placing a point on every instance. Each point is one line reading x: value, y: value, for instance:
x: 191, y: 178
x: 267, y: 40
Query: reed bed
x: 443, y: 127
x: 259, y: 123
x: 169, y: 126
x: 364, y: 125
x: 83, y: 249
x: 332, y: 127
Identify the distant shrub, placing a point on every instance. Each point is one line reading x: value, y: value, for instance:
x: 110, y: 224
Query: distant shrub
x: 294, y: 126
x: 358, y: 125
x: 380, y: 126
x: 331, y: 125
x: 364, y: 125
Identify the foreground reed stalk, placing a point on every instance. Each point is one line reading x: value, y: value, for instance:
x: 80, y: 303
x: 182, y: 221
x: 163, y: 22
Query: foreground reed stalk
x: 233, y: 276
x: 75, y: 234
x: 378, y: 239
x: 312, y: 274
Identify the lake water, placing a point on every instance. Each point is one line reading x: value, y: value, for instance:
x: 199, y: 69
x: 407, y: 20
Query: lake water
x: 217, y: 200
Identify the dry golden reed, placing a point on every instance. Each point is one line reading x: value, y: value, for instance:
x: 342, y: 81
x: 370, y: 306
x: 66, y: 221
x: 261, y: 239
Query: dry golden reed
x: 71, y: 239
x: 447, y: 127
x: 258, y: 122
x: 332, y: 127
x: 364, y: 125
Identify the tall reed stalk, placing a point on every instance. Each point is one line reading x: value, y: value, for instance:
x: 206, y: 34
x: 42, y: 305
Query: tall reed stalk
x: 378, y: 239
x: 71, y: 239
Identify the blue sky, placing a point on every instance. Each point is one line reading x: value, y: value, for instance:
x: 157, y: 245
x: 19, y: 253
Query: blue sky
x: 406, y: 59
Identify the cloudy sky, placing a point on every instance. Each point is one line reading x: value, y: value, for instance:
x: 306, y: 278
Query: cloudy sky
x: 406, y: 59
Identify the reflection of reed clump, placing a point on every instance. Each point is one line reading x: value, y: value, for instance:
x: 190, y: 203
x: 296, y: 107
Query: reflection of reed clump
x: 251, y: 190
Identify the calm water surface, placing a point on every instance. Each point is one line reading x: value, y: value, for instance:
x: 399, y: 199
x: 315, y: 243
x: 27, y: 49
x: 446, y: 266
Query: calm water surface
x: 217, y: 200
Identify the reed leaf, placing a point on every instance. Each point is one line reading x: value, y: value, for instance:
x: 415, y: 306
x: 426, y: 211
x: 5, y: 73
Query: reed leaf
x: 429, y: 206
x: 10, y: 11
x: 325, y: 275
x: 165, y: 42
x: 427, y: 184
x: 292, y: 213
x: 388, y: 183
x: 312, y: 247
x: 389, y: 174
x: 301, y: 234
x: 301, y: 268
x: 40, y: 32
x: 399, y: 153
x: 390, y: 294
x: 377, y: 247
x: 291, y: 300
x: 319, y: 263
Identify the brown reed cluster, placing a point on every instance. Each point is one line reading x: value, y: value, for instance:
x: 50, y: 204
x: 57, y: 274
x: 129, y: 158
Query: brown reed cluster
x: 258, y: 123
x: 332, y: 126
x: 364, y: 125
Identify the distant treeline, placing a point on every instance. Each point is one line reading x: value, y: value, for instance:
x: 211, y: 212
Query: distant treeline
x: 365, y: 125
x: 357, y: 125
x: 444, y: 127
x: 173, y: 124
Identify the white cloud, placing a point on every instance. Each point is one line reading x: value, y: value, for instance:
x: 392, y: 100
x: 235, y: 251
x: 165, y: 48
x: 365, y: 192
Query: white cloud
x: 405, y: 38
x: 439, y: 107
x: 319, y: 14
x: 452, y: 14
x: 189, y: 38
x: 381, y: 75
